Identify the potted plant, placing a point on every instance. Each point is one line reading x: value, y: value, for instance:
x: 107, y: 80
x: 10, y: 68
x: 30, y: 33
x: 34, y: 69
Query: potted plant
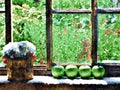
x: 19, y: 57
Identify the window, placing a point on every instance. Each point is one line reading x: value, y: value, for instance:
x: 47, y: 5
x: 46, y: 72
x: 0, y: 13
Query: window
x: 92, y: 11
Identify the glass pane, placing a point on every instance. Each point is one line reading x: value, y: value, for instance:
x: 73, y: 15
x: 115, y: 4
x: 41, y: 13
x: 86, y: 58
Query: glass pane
x: 71, y: 4
x: 29, y: 24
x: 2, y: 4
x: 2, y: 36
x: 109, y: 37
x: 107, y: 3
x: 71, y: 38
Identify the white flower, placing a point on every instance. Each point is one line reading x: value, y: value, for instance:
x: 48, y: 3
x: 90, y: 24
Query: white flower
x: 19, y: 49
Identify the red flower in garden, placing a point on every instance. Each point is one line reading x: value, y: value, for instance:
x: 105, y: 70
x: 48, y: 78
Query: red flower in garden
x: 42, y: 63
x: 86, y: 48
x: 117, y: 31
x: 107, y: 32
x: 34, y: 58
x: 4, y: 60
x: 74, y: 22
x: 89, y: 25
x: 85, y: 45
x: 89, y: 56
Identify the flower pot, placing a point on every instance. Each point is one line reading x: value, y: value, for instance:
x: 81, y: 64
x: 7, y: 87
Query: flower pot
x: 19, y: 70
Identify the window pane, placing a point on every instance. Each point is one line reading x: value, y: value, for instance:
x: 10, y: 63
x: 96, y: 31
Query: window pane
x: 2, y: 35
x: 2, y: 4
x: 107, y: 3
x: 29, y: 24
x: 71, y: 4
x: 71, y: 38
x: 109, y: 37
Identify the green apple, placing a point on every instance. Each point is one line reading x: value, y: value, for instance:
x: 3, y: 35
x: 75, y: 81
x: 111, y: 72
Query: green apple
x: 85, y: 71
x: 98, y: 71
x: 58, y: 71
x: 71, y: 71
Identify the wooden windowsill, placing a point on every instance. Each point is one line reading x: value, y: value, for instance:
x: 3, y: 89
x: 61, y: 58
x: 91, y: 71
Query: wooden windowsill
x: 78, y: 81
x: 50, y: 83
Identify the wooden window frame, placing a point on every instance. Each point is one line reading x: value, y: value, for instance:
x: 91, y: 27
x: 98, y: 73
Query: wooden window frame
x: 112, y: 69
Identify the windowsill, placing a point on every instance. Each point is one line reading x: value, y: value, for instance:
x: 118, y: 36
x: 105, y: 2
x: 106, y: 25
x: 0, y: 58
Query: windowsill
x: 50, y: 80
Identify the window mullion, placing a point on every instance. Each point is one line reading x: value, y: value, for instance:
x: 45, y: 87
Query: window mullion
x: 108, y: 10
x: 49, y: 32
x: 8, y: 21
x: 81, y: 11
x: 94, y: 22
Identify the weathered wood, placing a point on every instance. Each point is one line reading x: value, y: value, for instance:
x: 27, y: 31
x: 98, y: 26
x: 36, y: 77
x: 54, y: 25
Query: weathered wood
x: 81, y: 11
x: 19, y: 70
x: 49, y: 32
x: 112, y: 70
x: 22, y: 86
x: 47, y: 83
x: 94, y: 22
x: 8, y: 23
x: 39, y: 70
x: 108, y: 10
x: 86, y: 11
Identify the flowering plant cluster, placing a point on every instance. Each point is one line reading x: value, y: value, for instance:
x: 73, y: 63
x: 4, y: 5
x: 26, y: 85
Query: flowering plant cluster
x: 19, y: 50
